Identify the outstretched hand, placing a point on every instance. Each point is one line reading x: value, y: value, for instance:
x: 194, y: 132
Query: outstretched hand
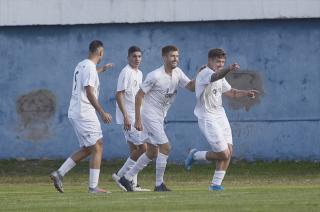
x: 234, y: 67
x: 105, y: 67
x: 253, y: 93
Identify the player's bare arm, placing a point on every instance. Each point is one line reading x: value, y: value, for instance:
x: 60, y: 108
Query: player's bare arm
x: 235, y: 93
x: 120, y: 101
x: 223, y: 72
x: 106, y: 117
x: 191, y: 86
x: 104, y: 67
x: 138, y: 103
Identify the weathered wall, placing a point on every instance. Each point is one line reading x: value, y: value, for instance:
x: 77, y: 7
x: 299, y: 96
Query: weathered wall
x: 278, y: 57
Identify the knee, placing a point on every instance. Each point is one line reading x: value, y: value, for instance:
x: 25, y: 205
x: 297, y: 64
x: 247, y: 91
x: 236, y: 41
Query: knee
x: 226, y: 155
x: 165, y: 149
x: 98, y: 147
x: 152, y: 153
x: 142, y: 148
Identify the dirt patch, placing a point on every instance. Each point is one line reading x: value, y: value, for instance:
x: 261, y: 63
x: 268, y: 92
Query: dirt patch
x: 245, y: 80
x: 36, y: 110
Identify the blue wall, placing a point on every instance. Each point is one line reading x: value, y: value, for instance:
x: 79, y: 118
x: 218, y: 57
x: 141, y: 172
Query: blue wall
x: 279, y: 57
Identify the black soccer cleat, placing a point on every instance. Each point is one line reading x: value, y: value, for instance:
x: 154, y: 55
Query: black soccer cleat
x: 161, y: 188
x: 126, y: 184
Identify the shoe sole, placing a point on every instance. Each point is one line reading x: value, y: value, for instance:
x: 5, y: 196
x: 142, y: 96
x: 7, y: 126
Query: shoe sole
x: 118, y: 183
x: 53, y: 178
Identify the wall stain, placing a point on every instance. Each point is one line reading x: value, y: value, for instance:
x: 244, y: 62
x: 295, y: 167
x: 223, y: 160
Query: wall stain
x: 35, y: 109
x: 245, y: 80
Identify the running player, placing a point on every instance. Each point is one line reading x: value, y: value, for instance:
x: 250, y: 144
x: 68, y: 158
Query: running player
x: 212, y: 119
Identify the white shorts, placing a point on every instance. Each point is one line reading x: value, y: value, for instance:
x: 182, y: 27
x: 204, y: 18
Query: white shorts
x: 153, y: 130
x: 134, y: 136
x: 88, y: 132
x: 217, y: 132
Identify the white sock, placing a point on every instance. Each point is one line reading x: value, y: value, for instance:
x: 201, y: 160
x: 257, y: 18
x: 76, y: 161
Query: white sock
x: 142, y: 162
x: 126, y: 167
x: 218, y: 177
x: 66, y: 166
x: 94, y: 178
x: 135, y: 180
x: 200, y: 155
x: 161, y: 164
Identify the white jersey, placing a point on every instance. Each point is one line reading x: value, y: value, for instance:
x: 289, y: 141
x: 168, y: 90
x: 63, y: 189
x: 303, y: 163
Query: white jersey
x: 85, y: 74
x: 161, y: 89
x: 129, y: 81
x: 209, y: 94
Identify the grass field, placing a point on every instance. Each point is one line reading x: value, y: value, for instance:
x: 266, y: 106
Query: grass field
x: 277, y: 186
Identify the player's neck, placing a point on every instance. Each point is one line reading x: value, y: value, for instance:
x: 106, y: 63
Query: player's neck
x: 93, y: 59
x: 134, y: 68
x: 168, y: 70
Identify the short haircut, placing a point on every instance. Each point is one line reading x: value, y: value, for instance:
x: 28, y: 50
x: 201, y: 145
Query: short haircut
x: 167, y: 49
x: 133, y: 49
x: 94, y: 45
x: 217, y: 53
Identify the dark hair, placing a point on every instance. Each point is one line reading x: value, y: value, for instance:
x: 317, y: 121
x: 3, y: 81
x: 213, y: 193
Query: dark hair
x: 217, y: 53
x: 169, y: 48
x: 94, y: 45
x: 133, y: 49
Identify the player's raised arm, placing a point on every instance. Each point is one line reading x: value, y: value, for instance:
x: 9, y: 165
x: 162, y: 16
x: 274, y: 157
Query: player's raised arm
x: 138, y: 103
x: 222, y: 73
x: 105, y: 67
x: 235, y: 93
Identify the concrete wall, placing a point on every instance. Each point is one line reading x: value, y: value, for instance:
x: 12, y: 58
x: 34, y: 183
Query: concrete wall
x: 56, y: 12
x: 278, y: 57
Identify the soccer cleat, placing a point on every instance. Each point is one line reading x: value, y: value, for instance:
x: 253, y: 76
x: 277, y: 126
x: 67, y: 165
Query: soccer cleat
x: 116, y: 179
x: 126, y: 183
x: 161, y: 188
x: 57, y: 181
x: 97, y: 190
x: 139, y: 189
x: 216, y: 188
x: 189, y: 160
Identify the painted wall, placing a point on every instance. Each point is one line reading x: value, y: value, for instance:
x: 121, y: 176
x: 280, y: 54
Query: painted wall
x: 278, y: 57
x: 56, y: 12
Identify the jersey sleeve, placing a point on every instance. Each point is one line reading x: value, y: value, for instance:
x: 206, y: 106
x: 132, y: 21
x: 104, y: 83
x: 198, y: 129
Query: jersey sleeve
x: 204, y: 78
x: 89, y: 76
x: 148, y: 83
x: 225, y: 85
x: 122, y: 81
x: 183, y: 79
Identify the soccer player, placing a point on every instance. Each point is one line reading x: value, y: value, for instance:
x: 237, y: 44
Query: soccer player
x: 158, y: 92
x: 129, y: 81
x: 212, y: 119
x: 82, y: 114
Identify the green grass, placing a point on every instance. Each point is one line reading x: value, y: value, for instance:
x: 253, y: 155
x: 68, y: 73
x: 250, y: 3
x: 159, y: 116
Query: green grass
x: 277, y: 186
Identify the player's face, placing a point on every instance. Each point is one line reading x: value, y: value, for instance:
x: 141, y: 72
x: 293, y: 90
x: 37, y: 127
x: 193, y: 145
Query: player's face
x: 100, y: 53
x: 172, y: 59
x: 217, y: 63
x: 134, y: 59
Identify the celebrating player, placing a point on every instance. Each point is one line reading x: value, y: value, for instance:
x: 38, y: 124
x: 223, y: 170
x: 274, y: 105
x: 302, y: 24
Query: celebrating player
x: 212, y: 119
x: 158, y: 92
